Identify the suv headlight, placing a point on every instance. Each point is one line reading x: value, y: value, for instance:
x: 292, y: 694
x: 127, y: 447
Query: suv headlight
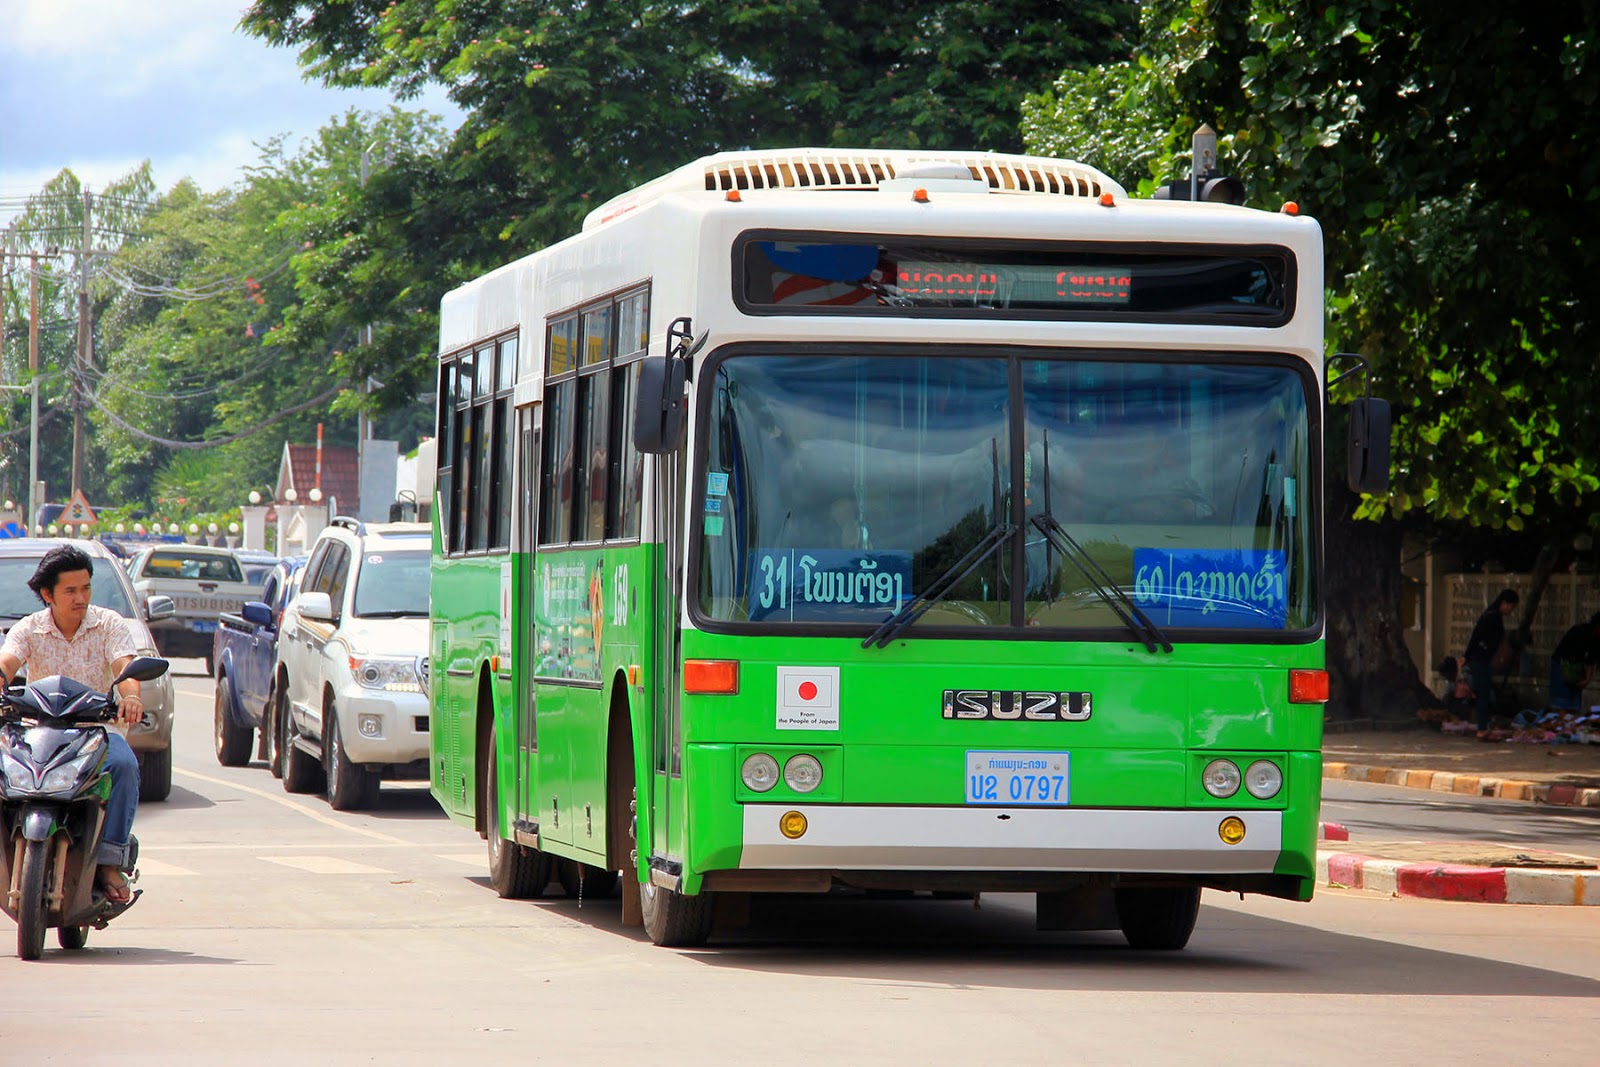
x: 395, y: 674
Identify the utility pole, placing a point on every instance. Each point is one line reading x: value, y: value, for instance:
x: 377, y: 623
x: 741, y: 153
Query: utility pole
x: 85, y: 348
x: 33, y: 387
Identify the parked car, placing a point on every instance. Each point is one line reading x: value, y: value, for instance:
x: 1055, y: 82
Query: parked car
x: 202, y: 581
x: 150, y: 739
x: 257, y: 564
x: 351, y: 684
x: 245, y: 652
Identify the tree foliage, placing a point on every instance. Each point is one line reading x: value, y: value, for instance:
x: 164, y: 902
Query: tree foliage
x: 1443, y: 149
x: 569, y: 103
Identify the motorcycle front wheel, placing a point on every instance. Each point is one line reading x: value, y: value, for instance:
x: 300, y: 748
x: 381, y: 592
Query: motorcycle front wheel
x: 30, y: 908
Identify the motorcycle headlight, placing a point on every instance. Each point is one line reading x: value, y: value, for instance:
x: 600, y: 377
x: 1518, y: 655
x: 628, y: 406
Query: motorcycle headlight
x: 64, y: 776
x: 393, y: 673
x: 18, y: 775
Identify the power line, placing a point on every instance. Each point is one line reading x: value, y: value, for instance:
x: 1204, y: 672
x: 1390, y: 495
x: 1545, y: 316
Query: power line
x: 214, y: 442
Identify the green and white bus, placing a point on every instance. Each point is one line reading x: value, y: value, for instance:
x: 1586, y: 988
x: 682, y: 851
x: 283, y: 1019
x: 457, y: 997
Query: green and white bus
x: 888, y: 520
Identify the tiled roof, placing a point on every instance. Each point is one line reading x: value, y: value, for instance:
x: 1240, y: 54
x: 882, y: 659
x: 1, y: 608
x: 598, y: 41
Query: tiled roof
x: 340, y: 481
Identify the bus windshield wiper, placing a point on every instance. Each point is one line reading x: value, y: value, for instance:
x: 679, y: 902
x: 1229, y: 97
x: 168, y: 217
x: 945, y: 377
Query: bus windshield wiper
x: 1102, y: 584
x: 940, y: 587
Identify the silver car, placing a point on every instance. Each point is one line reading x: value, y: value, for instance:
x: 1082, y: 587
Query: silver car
x: 151, y: 740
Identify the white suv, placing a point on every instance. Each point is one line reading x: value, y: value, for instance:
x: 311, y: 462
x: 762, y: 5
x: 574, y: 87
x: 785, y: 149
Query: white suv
x: 351, y: 675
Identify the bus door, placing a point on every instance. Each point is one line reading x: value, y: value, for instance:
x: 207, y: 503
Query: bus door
x: 666, y: 778
x: 526, y: 638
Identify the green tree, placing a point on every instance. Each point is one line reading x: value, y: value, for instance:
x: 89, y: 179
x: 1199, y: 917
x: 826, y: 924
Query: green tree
x: 569, y: 103
x: 1440, y: 146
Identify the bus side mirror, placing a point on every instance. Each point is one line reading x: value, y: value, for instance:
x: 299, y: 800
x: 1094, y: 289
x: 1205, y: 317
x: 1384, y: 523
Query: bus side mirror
x: 1369, y: 446
x: 658, y: 421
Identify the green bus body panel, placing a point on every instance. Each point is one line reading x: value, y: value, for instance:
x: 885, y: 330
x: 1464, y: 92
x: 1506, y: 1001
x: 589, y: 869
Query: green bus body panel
x: 1157, y: 720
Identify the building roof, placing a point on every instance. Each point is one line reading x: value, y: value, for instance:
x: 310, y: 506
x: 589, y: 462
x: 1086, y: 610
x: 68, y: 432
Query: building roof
x: 340, y: 479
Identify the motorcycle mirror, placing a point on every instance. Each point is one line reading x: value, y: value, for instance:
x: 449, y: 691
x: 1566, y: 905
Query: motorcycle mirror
x: 143, y: 668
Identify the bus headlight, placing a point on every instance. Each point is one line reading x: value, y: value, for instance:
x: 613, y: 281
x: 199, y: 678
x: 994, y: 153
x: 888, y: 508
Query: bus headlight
x: 759, y: 773
x: 1221, y: 778
x: 803, y: 773
x: 1263, y: 779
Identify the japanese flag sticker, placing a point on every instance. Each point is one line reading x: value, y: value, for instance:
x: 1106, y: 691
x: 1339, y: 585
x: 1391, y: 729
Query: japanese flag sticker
x: 808, y: 698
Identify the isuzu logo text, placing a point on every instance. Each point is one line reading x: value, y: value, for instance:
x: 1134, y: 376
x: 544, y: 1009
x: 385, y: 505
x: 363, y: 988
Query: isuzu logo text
x: 1030, y: 705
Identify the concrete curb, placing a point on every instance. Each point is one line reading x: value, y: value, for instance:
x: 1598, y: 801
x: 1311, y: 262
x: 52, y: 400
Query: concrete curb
x: 1449, y: 881
x: 1467, y: 784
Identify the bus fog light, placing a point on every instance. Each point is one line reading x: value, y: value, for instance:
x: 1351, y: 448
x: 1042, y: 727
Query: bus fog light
x: 760, y: 772
x: 1221, y: 778
x: 370, y: 725
x: 803, y: 773
x: 792, y: 824
x: 1263, y: 779
x: 1231, y: 830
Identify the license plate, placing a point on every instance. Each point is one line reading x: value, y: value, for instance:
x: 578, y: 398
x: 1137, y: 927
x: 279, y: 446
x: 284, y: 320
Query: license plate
x: 203, y: 626
x: 1017, y: 778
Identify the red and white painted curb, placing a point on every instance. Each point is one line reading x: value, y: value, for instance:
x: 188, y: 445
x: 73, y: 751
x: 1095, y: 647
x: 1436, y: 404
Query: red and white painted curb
x: 1452, y: 881
x: 1473, y: 785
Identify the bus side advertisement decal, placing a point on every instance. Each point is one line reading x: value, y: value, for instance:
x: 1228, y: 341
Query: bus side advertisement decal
x: 1225, y: 587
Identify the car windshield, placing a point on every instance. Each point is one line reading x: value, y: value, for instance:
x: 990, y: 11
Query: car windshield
x: 393, y: 584
x: 192, y: 566
x: 838, y: 489
x: 17, y: 600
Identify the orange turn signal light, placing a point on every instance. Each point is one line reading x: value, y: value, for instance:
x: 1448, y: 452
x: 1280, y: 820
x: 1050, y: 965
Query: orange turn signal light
x: 1308, y: 687
x: 733, y: 196
x: 1107, y: 200
x: 711, y: 676
x: 920, y: 195
x: 1291, y: 208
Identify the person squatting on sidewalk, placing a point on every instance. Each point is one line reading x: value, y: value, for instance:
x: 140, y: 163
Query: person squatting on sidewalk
x: 1572, y: 664
x: 1487, y: 636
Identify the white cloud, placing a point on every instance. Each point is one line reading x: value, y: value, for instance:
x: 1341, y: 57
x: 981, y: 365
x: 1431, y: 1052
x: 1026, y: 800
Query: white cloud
x: 101, y: 85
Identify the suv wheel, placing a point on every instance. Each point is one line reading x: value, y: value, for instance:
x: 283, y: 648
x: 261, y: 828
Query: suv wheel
x: 351, y: 786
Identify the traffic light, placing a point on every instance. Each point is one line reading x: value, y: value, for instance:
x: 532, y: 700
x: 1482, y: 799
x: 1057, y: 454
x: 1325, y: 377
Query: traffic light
x: 1216, y: 188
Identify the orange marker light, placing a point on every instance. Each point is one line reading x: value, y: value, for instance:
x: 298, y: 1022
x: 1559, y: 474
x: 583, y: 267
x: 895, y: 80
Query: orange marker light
x: 1107, y: 200
x: 733, y: 196
x: 711, y: 676
x: 920, y: 195
x: 1291, y: 208
x: 1308, y: 687
x: 633, y: 674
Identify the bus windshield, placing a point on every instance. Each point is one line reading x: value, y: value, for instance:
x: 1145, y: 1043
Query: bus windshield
x: 837, y: 488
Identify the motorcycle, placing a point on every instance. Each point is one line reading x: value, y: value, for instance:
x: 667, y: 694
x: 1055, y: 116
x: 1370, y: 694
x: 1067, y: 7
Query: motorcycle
x: 53, y: 793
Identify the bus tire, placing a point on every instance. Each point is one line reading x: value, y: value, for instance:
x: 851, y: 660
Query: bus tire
x: 1158, y: 918
x: 231, y: 741
x: 674, y: 920
x: 516, y: 871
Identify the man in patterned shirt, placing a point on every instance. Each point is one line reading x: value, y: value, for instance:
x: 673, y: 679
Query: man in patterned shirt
x: 89, y: 644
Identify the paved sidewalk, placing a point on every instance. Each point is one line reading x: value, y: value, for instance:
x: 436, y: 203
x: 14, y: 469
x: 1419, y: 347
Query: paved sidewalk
x: 1428, y: 759
x: 1470, y: 871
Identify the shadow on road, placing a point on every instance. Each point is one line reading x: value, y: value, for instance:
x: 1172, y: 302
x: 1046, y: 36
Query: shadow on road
x: 127, y: 956
x: 949, y: 943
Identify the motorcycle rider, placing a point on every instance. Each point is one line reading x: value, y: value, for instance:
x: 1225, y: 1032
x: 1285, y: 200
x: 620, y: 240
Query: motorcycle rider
x: 90, y: 644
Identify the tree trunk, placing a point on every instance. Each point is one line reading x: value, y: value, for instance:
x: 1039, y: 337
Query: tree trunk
x: 1370, y: 670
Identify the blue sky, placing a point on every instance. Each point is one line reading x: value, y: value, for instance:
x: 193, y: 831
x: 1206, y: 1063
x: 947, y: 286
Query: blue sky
x: 101, y: 85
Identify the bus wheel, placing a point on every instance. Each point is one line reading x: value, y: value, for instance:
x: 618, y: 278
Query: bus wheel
x: 515, y: 871
x: 673, y: 920
x: 1160, y: 918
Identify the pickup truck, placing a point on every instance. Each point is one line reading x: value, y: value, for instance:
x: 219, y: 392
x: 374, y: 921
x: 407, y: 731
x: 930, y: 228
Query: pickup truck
x: 202, y: 581
x: 245, y: 648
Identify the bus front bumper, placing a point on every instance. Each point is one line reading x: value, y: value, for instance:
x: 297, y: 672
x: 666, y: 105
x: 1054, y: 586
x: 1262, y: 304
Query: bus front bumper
x: 841, y: 837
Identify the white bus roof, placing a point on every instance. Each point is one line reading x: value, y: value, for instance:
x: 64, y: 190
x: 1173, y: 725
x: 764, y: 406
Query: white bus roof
x: 813, y: 169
